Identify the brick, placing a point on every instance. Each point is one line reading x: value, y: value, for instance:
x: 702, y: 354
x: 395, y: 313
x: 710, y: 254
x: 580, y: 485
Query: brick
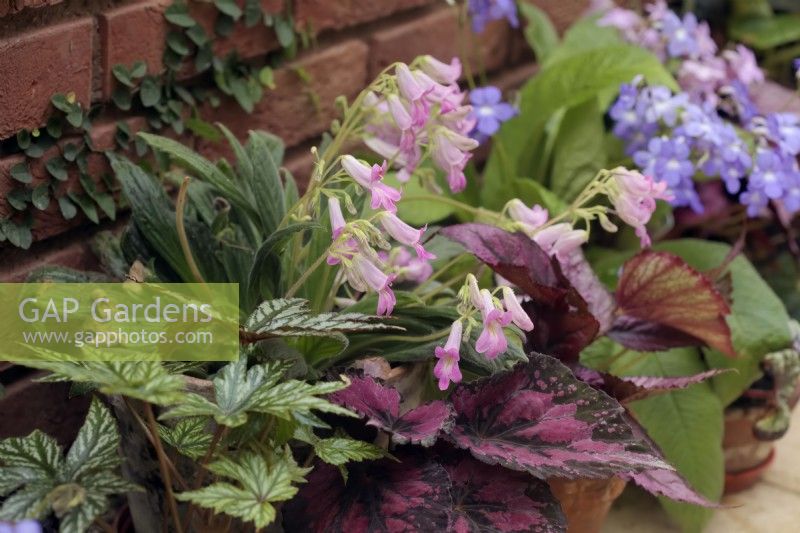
x: 74, y: 252
x: 319, y: 15
x: 289, y: 110
x: 562, y: 12
x: 438, y: 34
x: 36, y: 65
x: 130, y: 33
x: 247, y: 42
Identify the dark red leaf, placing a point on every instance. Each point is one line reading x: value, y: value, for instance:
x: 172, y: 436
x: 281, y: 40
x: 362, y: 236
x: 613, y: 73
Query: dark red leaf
x: 487, y: 498
x: 580, y: 274
x: 381, y: 405
x: 563, y: 324
x: 644, y: 336
x: 540, y: 419
x: 661, y: 288
x: 632, y: 388
x: 411, y: 495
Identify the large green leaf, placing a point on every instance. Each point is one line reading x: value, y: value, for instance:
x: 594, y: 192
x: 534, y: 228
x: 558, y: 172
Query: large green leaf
x: 265, y: 183
x: 539, y: 31
x: 259, y: 482
x: 583, y: 36
x: 596, y: 73
x: 579, y: 150
x: 687, y: 425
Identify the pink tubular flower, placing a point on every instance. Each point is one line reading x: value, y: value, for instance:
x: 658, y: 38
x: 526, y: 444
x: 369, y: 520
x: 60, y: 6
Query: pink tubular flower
x: 634, y: 198
x: 363, y: 275
x: 337, y: 218
x: 370, y: 179
x: 445, y: 73
x: 560, y: 240
x: 450, y: 153
x: 446, y: 368
x: 413, y: 91
x: 492, y: 341
x: 518, y: 315
x: 405, y: 234
x: 529, y: 217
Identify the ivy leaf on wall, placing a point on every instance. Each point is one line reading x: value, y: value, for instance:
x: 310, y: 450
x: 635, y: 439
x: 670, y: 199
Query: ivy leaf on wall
x: 381, y: 405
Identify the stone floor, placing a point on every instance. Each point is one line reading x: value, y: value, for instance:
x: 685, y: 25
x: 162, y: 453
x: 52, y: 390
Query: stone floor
x: 771, y: 506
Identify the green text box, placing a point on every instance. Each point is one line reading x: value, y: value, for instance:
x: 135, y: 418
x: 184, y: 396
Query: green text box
x: 119, y: 321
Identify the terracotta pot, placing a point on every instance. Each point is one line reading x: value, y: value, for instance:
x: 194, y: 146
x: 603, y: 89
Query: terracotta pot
x: 586, y: 502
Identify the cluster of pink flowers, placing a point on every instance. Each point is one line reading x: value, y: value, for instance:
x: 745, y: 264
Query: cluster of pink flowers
x: 495, y: 315
x: 558, y: 240
x: 425, y: 117
x: 706, y: 75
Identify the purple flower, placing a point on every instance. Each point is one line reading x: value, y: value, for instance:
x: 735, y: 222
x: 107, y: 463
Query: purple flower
x: 25, y: 526
x: 770, y: 173
x: 446, y: 369
x: 784, y: 129
x: 681, y: 35
x: 518, y: 315
x: 666, y: 160
x: 488, y: 111
x: 484, y: 11
x: 755, y: 200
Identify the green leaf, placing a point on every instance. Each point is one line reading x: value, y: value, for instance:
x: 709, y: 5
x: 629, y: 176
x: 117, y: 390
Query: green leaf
x: 57, y: 167
x: 260, y: 481
x: 30, y: 502
x: 253, y: 13
x: 229, y: 7
x: 95, y: 447
x: 18, y: 234
x: 122, y: 74
x: 21, y: 173
x: 149, y: 92
x: 579, y: 152
x: 238, y: 391
x: 189, y: 436
x: 146, y: 380
x: 264, y: 279
x: 178, y: 14
x: 265, y: 151
x: 291, y: 317
x: 284, y: 29
x: 766, y: 33
x: 583, y: 36
x: 68, y: 209
x: 583, y: 76
x: 40, y: 197
x: 178, y: 43
x: 197, y: 35
x: 539, y: 31
x: 19, y: 198
x: 37, y: 453
x: 339, y: 451
x: 267, y: 77
x: 86, y: 205
x: 75, y: 117
x: 54, y: 127
x: 686, y: 424
x: 122, y: 98
x: 138, y: 69
x: 61, y: 103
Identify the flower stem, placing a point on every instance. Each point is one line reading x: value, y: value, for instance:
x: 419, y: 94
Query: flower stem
x: 302, y: 279
x: 162, y: 464
x: 187, y: 250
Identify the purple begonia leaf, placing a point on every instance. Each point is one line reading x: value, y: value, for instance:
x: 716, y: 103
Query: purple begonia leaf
x: 632, y: 388
x: 410, y: 495
x: 487, y: 498
x: 661, y: 288
x: 671, y: 484
x: 563, y: 323
x: 540, y: 419
x: 381, y: 405
x: 600, y: 301
x: 661, y: 481
x: 643, y: 336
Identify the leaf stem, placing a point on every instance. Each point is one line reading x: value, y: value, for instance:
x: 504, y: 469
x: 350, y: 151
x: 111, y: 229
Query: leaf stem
x: 302, y: 279
x: 219, y: 434
x: 162, y: 463
x: 187, y: 250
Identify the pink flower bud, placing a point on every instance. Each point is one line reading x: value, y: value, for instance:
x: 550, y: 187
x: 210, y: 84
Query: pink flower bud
x: 445, y: 73
x: 337, y: 218
x: 399, y: 112
x: 492, y: 341
x: 360, y: 172
x: 530, y: 218
x: 518, y: 315
x: 446, y: 369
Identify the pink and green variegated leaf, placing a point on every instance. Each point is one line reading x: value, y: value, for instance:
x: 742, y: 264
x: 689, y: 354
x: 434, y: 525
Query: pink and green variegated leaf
x: 540, y: 419
x: 660, y: 290
x: 632, y: 388
x: 410, y: 495
x: 671, y: 484
x: 563, y: 322
x: 487, y: 498
x: 381, y: 406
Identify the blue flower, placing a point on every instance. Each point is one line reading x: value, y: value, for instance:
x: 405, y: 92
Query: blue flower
x: 681, y: 35
x: 771, y: 173
x: 26, y: 526
x: 755, y: 200
x: 488, y: 111
x: 666, y: 160
x: 484, y: 11
x: 784, y: 129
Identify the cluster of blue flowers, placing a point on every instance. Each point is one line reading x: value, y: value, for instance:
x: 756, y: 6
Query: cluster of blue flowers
x: 673, y: 140
x: 484, y: 11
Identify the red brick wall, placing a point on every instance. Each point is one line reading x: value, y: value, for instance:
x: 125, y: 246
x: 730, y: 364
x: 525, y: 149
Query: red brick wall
x: 52, y: 46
